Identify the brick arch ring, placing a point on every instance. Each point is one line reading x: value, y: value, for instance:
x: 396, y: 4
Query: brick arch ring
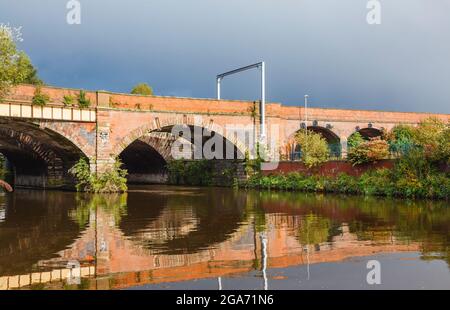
x: 141, y: 131
x: 291, y: 143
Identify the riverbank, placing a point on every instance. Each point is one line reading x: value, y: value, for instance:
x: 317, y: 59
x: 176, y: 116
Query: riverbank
x: 380, y: 182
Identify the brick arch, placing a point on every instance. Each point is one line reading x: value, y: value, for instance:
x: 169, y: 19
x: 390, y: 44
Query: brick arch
x: 291, y: 144
x: 161, y: 143
x: 368, y: 132
x: 26, y: 143
x: 82, y: 136
x: 143, y: 130
x: 37, y: 151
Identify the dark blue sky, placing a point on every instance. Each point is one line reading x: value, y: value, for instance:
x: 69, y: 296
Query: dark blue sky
x: 321, y: 47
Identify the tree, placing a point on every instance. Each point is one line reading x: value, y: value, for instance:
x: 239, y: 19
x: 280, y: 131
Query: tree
x: 313, y: 146
x: 355, y: 139
x: 15, y: 66
x: 432, y: 135
x: 401, y: 139
x: 142, y: 89
x: 30, y: 72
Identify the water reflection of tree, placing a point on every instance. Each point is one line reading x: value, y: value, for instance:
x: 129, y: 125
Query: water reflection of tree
x: 313, y: 229
x: 115, y: 204
x: 376, y: 219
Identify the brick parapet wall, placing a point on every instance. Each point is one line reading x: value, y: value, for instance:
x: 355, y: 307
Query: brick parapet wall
x: 213, y: 106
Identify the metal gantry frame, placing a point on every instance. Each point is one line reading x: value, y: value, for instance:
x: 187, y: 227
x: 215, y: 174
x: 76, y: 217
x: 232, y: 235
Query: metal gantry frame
x: 262, y: 109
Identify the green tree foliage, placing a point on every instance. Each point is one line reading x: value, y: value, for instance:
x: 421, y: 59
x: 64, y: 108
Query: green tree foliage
x: 112, y: 180
x: 30, y: 75
x: 432, y: 135
x: 15, y: 65
x: 355, y: 139
x: 313, y: 146
x: 401, y: 140
x: 142, y: 89
x: 368, y: 152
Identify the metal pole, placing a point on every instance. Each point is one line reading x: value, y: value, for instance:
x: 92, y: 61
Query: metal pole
x: 263, y: 101
x: 306, y: 111
x: 263, y: 91
x: 218, y: 88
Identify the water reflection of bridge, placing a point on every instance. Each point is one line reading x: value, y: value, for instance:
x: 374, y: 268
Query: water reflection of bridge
x: 122, y: 245
x: 123, y: 262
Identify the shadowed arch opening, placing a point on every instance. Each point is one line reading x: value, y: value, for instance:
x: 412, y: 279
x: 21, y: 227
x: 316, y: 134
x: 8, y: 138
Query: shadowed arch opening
x: 144, y: 163
x: 183, y: 222
x: 333, y: 141
x: 36, y: 156
x: 368, y: 133
x: 146, y: 157
x: 199, y: 136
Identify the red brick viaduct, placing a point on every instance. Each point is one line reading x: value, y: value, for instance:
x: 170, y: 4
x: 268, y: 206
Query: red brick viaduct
x: 42, y: 143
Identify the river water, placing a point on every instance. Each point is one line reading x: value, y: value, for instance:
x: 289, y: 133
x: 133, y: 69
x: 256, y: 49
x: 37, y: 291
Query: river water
x: 162, y: 237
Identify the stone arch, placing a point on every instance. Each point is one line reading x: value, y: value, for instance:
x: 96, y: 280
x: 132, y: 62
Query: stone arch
x: 369, y: 132
x: 39, y: 157
x: 333, y: 140
x: 146, y: 158
x: 82, y: 135
x: 366, y: 132
x: 157, y: 125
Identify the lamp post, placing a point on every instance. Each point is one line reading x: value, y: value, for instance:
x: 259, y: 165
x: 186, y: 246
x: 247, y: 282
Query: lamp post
x: 306, y: 111
x: 306, y: 121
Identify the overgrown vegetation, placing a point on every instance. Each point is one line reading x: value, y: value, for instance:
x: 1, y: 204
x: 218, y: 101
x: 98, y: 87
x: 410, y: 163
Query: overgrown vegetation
x: 68, y: 100
x: 40, y: 98
x: 381, y: 182
x: 83, y: 101
x: 420, y: 170
x: 112, y: 180
x: 313, y: 146
x: 142, y: 89
x: 195, y: 172
x: 368, y: 151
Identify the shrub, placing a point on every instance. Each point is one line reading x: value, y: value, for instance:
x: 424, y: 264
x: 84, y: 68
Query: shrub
x: 83, y: 101
x: 345, y: 183
x: 355, y: 139
x: 252, y: 166
x: 110, y: 181
x: 40, y: 98
x: 198, y: 172
x: 377, y: 182
x: 380, y: 182
x: 313, y: 146
x: 369, y: 151
x: 68, y: 100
